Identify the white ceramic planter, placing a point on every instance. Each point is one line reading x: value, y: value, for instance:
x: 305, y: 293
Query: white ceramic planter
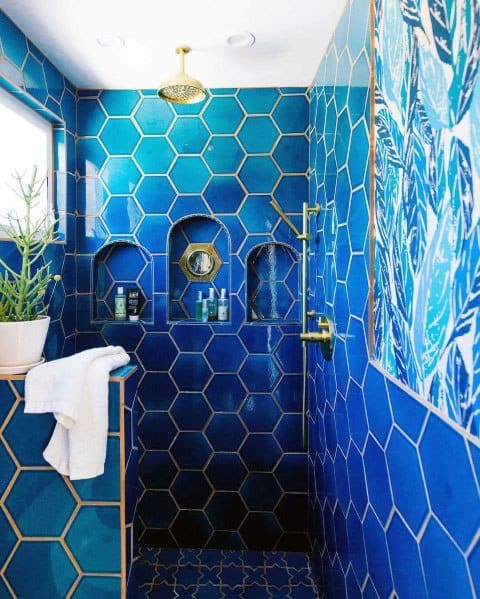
x: 21, y: 343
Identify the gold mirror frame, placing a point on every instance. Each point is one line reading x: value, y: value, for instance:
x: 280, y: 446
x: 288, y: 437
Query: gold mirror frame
x: 188, y: 268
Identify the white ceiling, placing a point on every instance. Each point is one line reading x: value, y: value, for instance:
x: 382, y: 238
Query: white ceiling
x: 291, y: 37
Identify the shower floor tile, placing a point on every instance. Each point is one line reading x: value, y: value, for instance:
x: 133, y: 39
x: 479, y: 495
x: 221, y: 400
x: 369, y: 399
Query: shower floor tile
x: 212, y: 573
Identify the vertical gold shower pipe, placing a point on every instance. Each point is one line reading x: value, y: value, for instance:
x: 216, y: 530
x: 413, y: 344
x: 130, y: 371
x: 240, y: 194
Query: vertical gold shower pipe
x: 304, y: 238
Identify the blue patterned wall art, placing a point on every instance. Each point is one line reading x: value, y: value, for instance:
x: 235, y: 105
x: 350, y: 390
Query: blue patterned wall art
x: 27, y: 73
x: 393, y: 485
x: 427, y: 232
x: 234, y: 476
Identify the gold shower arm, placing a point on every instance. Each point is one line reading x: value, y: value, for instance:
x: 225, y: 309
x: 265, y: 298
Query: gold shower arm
x: 278, y: 209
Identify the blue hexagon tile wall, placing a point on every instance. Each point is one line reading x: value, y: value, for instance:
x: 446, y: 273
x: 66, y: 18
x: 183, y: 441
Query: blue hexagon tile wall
x: 46, y: 520
x: 221, y: 401
x: 34, y: 80
x: 394, y: 488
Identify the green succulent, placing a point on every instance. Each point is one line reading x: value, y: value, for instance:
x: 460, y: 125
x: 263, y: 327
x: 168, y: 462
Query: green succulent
x: 22, y: 293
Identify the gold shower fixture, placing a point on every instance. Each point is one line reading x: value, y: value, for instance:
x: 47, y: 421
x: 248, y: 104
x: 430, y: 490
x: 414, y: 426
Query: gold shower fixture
x: 181, y: 88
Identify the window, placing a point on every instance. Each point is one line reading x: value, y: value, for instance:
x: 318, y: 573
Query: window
x: 25, y: 141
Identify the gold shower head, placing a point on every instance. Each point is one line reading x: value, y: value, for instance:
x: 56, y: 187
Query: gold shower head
x: 182, y: 88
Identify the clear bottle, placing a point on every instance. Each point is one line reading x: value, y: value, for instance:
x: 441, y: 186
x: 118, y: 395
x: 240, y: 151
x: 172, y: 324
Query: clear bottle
x: 198, y: 307
x: 223, y: 306
x: 204, y: 310
x: 120, y: 304
x: 212, y: 305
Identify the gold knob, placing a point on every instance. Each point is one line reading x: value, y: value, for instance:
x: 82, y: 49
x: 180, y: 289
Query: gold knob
x: 316, y: 337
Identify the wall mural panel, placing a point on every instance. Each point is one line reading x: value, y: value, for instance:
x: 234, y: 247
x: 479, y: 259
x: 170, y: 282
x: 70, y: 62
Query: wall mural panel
x: 427, y: 170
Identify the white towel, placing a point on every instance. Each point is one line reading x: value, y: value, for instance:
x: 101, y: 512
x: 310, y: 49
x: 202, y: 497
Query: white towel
x: 75, y: 390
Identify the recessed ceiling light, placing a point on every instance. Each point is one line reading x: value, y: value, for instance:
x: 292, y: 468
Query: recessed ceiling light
x: 110, y: 41
x: 244, y: 39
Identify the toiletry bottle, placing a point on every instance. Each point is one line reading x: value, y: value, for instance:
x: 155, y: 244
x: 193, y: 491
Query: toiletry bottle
x: 212, y: 305
x: 133, y: 304
x: 223, y: 306
x: 204, y: 310
x: 198, y: 307
x: 120, y: 304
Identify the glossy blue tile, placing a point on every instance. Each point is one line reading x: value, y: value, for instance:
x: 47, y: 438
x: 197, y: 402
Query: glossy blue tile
x: 223, y: 115
x: 225, y: 353
x: 377, y: 480
x: 155, y: 194
x: 258, y: 134
x: 289, y: 432
x: 91, y: 586
x: 377, y: 555
x: 225, y: 432
x: 260, y: 530
x: 258, y: 100
x: 154, y: 116
x: 259, y: 174
x: 158, y: 509
x: 378, y: 412
x: 260, y: 413
x: 46, y: 561
x: 154, y: 155
x: 226, y: 471
x: 191, y: 490
x: 191, y: 372
x: 191, y: 450
x: 226, y: 511
x: 120, y: 175
x: 121, y: 215
x: 260, y: 452
x: 90, y: 117
x: 223, y: 194
x: 119, y: 102
x: 188, y: 135
x: 156, y: 430
x: 291, y: 154
x: 223, y: 154
x: 189, y: 174
x: 259, y: 373
x: 191, y: 527
x: 291, y: 114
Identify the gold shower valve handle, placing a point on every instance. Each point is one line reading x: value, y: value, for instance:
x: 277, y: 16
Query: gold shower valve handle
x: 324, y: 335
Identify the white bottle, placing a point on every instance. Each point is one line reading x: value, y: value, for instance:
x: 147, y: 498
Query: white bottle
x: 223, y: 306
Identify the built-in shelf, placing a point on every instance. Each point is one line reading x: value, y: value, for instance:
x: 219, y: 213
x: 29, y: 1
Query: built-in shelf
x: 121, y: 264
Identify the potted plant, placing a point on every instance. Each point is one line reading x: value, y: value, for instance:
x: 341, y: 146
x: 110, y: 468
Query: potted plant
x: 23, y: 310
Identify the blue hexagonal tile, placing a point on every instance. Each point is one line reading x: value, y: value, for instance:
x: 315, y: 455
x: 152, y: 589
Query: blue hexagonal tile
x: 223, y: 115
x: 155, y: 194
x: 258, y: 134
x: 8, y: 467
x: 257, y: 215
x: 259, y: 174
x: 225, y: 393
x: 225, y: 432
x: 292, y: 472
x: 191, y: 529
x: 290, y: 191
x: 288, y: 354
x: 260, y: 491
x: 119, y: 136
x: 190, y: 411
x: 261, y: 531
x: 260, y: 452
x: 258, y: 100
x: 191, y: 339
x: 119, y: 102
x: 291, y: 114
x: 292, y: 510
x: 224, y: 194
x: 289, y: 432
x: 157, y: 391
x: 402, y: 458
x: 356, y: 347
x: 225, y: 353
x: 157, y: 469
x: 90, y: 158
x: 226, y: 471
x: 191, y: 450
x: 98, y: 586
x: 154, y: 155
x: 260, y: 340
x: 450, y: 481
x: 157, y: 509
x: 99, y: 552
x: 191, y: 490
x: 156, y: 430
x: 191, y: 372
x: 46, y: 561
x: 405, y: 560
x: 157, y: 351
x: 154, y: 116
x: 90, y: 117
x: 260, y: 413
x: 291, y: 154
x: 30, y: 503
x: 260, y: 373
x: 27, y: 437
x: 13, y: 41
x: 188, y: 135
x: 437, y: 550
x: 153, y: 232
x: 121, y: 215
x: 377, y: 480
x: 377, y: 555
x: 9, y: 538
x: 189, y: 174
x: 226, y: 510
x: 120, y: 175
x: 223, y: 155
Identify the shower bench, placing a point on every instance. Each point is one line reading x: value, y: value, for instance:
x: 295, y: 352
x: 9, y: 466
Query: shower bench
x: 63, y: 538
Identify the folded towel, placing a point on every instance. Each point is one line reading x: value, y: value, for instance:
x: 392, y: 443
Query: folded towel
x: 75, y: 390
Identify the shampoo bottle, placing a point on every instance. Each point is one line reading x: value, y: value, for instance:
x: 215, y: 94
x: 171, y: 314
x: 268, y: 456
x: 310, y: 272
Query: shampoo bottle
x: 198, y: 307
x: 223, y: 306
x: 204, y: 310
x: 120, y: 304
x: 212, y: 305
